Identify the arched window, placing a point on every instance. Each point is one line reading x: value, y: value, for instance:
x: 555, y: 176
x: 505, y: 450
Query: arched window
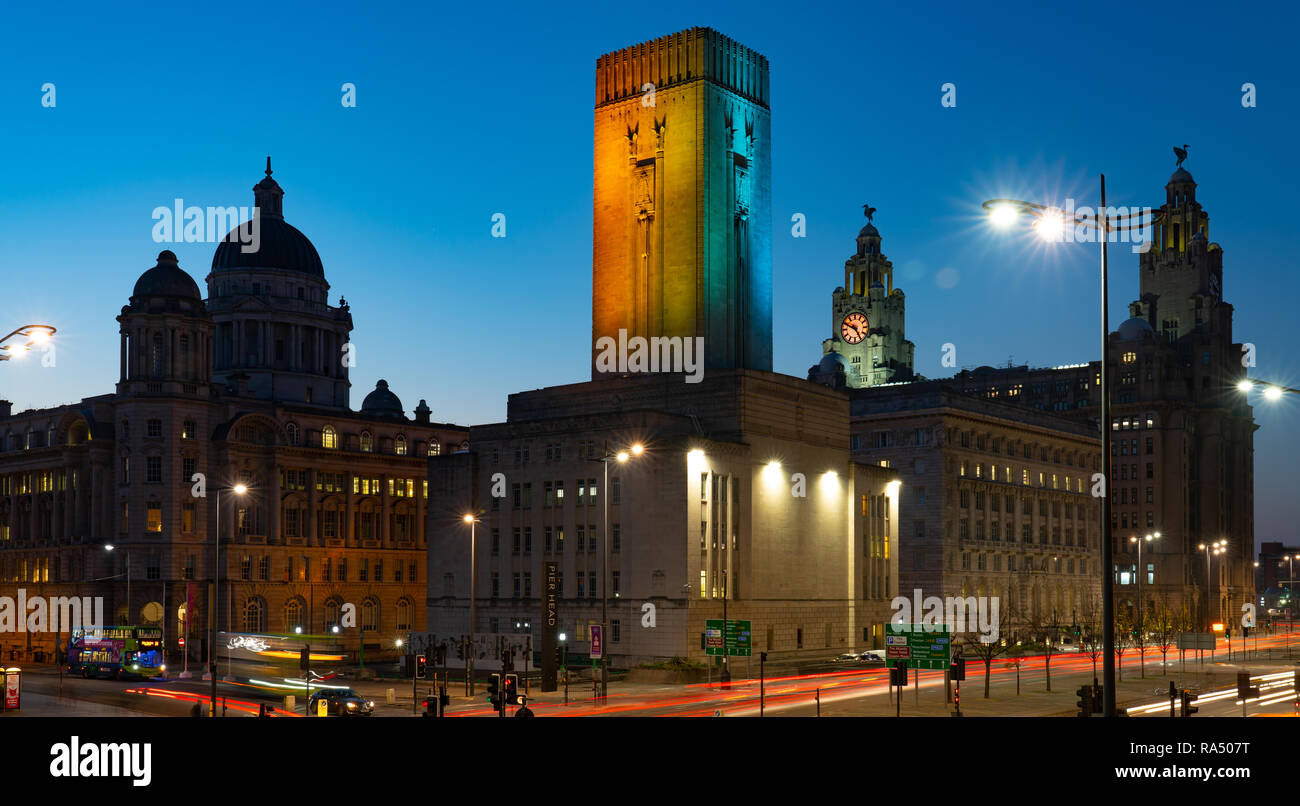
x: 292, y: 616
x: 292, y: 431
x: 333, y: 612
x: 157, y: 355
x: 254, y: 615
x: 399, y: 445
x: 329, y: 438
x: 435, y: 447
x: 367, y: 442
x: 185, y: 355
x: 405, y: 614
x: 370, y: 614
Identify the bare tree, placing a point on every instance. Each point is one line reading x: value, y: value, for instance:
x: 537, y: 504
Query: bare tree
x: 1124, y: 636
x: 1164, y: 628
x: 1090, y: 635
x: 986, y: 649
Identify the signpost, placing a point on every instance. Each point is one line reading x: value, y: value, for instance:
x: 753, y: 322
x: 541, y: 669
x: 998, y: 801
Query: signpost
x: 920, y: 646
x: 737, y: 635
x: 550, y: 626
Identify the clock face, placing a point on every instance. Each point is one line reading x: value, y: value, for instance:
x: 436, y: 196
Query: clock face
x: 854, y: 328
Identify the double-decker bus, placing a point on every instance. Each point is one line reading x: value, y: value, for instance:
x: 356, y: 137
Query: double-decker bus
x: 117, y: 652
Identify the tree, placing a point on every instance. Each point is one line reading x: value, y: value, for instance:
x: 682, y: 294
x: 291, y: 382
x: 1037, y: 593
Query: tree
x: 1165, y: 627
x: 1125, y: 636
x: 1043, y: 632
x: 1091, y: 636
x: 987, y: 648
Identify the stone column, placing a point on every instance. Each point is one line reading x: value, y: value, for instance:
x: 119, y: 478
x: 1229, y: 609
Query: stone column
x: 276, y: 505
x: 313, y: 504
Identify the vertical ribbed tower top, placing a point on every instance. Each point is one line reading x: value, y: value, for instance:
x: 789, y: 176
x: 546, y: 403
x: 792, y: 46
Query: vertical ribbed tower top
x: 690, y: 55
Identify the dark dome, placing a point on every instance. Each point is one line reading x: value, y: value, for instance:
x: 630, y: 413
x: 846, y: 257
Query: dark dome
x: 1181, y: 175
x: 1135, y: 329
x: 381, y: 402
x: 281, y: 246
x: 869, y: 231
x: 166, y: 280
x: 831, y: 361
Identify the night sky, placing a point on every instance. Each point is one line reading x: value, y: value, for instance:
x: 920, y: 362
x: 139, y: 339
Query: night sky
x: 465, y: 113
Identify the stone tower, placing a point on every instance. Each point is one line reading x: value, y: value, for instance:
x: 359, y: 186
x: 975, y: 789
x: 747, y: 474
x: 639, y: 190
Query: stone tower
x: 682, y: 223
x: 867, y: 345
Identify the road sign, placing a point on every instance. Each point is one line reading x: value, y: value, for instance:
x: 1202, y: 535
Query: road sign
x: 921, y: 646
x: 1196, y: 640
x: 737, y: 634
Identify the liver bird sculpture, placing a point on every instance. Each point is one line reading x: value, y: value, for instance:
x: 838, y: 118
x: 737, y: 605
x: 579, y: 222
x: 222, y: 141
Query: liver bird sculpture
x: 868, y: 211
x: 1181, y: 154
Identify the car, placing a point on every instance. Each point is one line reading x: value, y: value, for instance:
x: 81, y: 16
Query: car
x: 340, y: 702
x: 871, y: 657
x: 847, y: 657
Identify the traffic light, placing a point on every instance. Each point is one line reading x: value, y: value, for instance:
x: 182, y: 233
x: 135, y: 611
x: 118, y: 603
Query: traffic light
x: 1085, y: 703
x: 511, y: 690
x: 421, y: 666
x: 494, y: 691
x: 1245, y: 632
x: 1188, y: 699
x: 898, y: 674
x: 957, y: 671
x: 557, y: 657
x: 440, y: 654
x: 304, y: 662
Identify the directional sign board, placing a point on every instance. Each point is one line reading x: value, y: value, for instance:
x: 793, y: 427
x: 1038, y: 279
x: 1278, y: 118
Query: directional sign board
x: 737, y: 634
x: 921, y: 646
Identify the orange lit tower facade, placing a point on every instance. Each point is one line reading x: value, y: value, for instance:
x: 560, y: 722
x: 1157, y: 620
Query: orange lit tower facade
x: 682, y: 224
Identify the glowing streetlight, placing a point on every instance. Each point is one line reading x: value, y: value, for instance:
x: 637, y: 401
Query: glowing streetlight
x: 35, y: 335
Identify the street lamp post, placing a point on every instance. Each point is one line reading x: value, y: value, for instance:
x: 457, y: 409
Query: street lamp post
x: 110, y: 547
x: 1052, y: 224
x: 1141, y: 625
x: 1216, y: 548
x: 473, y: 601
x: 238, y: 489
x: 34, y: 334
x: 606, y: 457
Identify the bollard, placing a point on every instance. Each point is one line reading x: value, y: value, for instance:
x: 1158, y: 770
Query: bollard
x: 289, y: 701
x: 391, y: 696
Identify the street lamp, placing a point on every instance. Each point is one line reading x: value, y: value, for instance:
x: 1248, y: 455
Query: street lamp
x: 238, y: 489
x: 1142, y: 572
x: 35, y: 336
x: 620, y: 456
x: 1272, y: 391
x: 1216, y: 548
x: 473, y: 599
x: 1051, y: 225
x: 110, y: 547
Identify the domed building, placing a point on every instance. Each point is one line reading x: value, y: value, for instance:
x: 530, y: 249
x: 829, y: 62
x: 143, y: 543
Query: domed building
x: 249, y: 386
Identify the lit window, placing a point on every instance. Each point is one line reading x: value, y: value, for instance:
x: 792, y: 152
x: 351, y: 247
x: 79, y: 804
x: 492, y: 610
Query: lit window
x: 329, y: 438
x: 367, y: 442
x: 399, y: 445
x: 435, y: 447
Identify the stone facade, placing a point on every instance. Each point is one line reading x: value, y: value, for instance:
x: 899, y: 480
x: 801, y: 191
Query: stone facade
x: 745, y: 490
x: 997, y: 500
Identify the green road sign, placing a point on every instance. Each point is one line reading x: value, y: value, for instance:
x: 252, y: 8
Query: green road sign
x: 921, y: 646
x: 737, y: 638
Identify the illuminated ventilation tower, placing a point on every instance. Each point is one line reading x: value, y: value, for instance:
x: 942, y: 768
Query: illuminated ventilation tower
x: 866, y: 346
x: 682, y: 220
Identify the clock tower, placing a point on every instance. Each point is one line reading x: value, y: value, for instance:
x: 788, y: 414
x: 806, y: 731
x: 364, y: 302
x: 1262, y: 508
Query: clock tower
x: 866, y: 347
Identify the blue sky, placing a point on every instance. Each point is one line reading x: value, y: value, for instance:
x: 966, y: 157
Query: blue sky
x: 467, y: 112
